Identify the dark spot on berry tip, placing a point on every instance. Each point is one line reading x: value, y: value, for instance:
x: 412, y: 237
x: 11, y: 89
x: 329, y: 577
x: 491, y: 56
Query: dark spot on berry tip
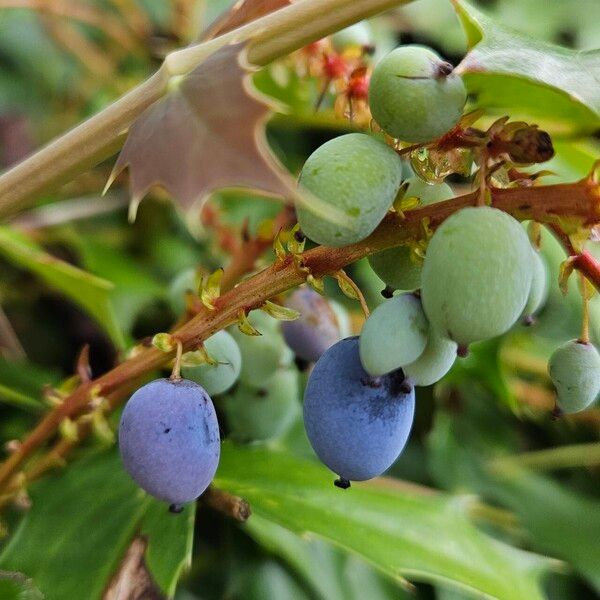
x: 557, y: 413
x: 299, y: 236
x: 167, y: 430
x: 443, y: 69
x: 372, y: 382
x: 262, y: 393
x: 342, y: 483
x: 406, y: 386
x: 529, y: 320
x: 301, y: 364
x: 463, y: 351
x: 176, y: 509
x: 387, y: 291
x: 396, y: 381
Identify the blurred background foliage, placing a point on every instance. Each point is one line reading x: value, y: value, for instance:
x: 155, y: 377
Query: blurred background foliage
x: 496, y: 487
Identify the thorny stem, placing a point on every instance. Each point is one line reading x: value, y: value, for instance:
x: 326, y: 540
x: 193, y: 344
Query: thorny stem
x: 98, y: 138
x: 578, y: 202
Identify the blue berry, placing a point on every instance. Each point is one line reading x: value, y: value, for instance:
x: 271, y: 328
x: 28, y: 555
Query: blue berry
x: 169, y: 439
x: 317, y: 328
x: 357, y: 424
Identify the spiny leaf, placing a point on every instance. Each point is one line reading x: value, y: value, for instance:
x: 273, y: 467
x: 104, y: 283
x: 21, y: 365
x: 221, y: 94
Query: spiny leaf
x: 211, y: 289
x: 428, y: 537
x: 509, y: 71
x: 282, y: 313
x: 207, y: 133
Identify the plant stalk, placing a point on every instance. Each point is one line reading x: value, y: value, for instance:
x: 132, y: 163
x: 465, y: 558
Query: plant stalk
x: 101, y: 136
x: 578, y: 202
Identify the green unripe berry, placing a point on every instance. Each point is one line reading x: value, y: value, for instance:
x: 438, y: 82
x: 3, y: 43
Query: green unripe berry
x: 394, y: 335
x: 264, y: 413
x: 395, y: 266
x: 476, y: 275
x: 261, y: 355
x: 575, y: 371
x: 540, y: 286
x: 217, y: 378
x: 415, y: 96
x: 356, y: 174
x: 186, y: 281
x: 437, y: 359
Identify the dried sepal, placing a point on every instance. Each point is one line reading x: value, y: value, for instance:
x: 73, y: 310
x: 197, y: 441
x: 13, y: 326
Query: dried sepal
x: 316, y: 283
x: 281, y: 313
x: 68, y: 430
x: 564, y: 273
x: 351, y: 290
x: 534, y: 231
x: 198, y: 357
x: 165, y: 342
x: 296, y: 241
x: 278, y: 246
x: 101, y: 429
x: 211, y: 289
x: 244, y: 324
x: 264, y: 232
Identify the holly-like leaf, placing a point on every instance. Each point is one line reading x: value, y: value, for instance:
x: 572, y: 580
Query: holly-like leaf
x: 73, y: 540
x: 426, y: 537
x: 507, y: 71
x: 205, y: 133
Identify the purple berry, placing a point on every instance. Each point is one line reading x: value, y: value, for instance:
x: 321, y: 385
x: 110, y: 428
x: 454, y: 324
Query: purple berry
x: 169, y: 439
x: 316, y: 330
x: 356, y: 423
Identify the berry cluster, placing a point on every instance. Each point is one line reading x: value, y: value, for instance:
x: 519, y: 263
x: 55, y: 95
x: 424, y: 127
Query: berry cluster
x: 471, y: 280
x: 169, y: 434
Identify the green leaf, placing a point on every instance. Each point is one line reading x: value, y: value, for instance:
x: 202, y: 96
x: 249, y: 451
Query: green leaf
x: 134, y: 287
x: 399, y: 529
x: 331, y: 574
x: 15, y: 586
x: 82, y: 521
x: 557, y: 520
x: 567, y: 527
x: 509, y: 72
x: 89, y: 292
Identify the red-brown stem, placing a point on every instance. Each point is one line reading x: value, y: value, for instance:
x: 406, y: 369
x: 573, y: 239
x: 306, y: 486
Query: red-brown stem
x: 585, y: 263
x: 578, y: 202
